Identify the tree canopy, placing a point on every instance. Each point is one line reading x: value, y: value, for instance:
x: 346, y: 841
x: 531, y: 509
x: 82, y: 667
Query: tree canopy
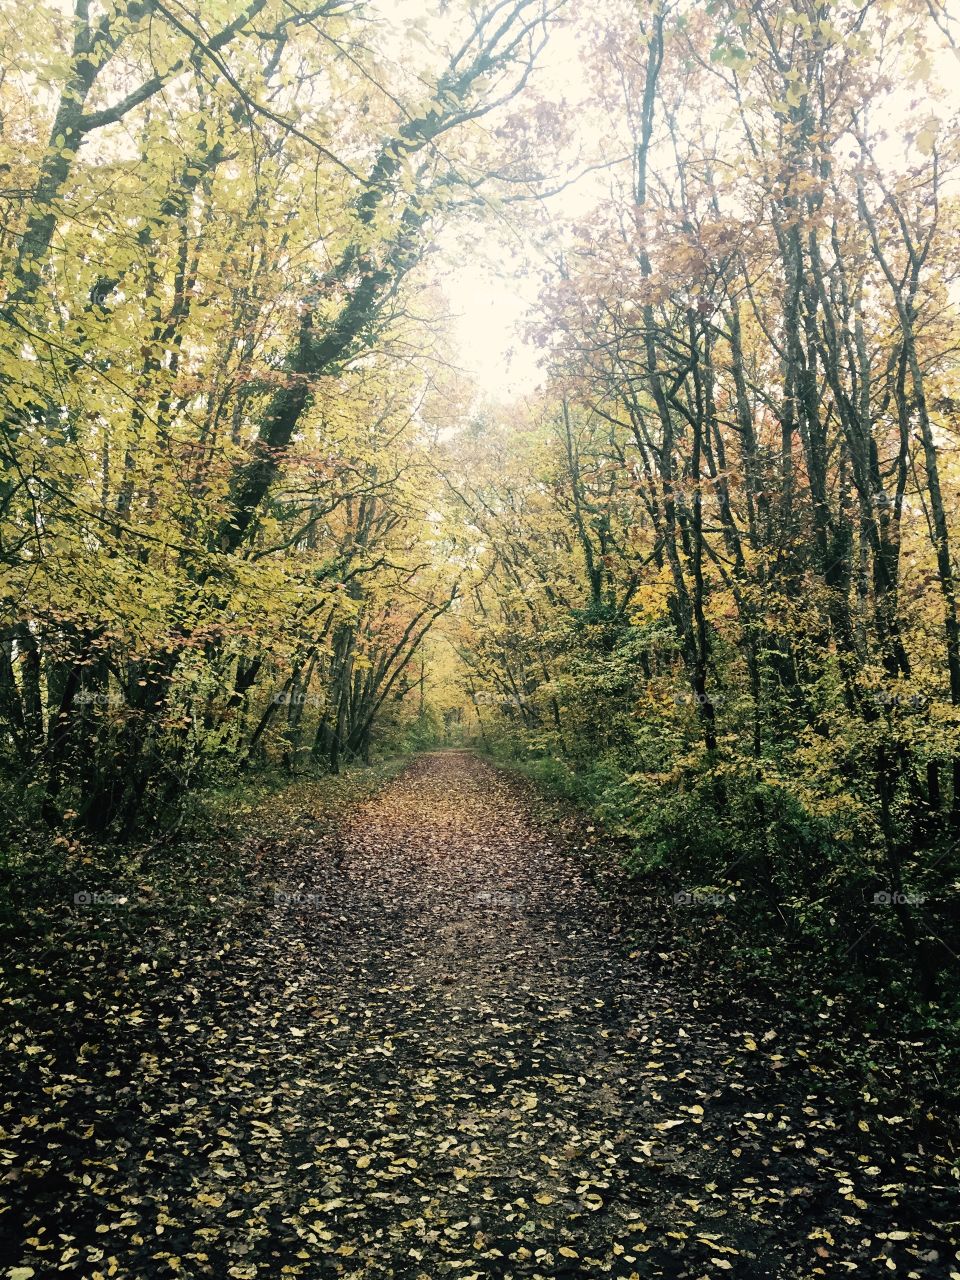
x: 253, y: 512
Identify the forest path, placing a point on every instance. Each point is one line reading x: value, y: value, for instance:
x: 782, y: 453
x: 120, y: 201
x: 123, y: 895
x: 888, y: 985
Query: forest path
x: 437, y: 1058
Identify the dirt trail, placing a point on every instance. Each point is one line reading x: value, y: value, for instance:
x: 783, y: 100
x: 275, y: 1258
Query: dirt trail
x: 436, y: 1060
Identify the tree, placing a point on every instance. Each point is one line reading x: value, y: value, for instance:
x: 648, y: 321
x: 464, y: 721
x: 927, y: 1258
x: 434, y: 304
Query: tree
x: 179, y: 324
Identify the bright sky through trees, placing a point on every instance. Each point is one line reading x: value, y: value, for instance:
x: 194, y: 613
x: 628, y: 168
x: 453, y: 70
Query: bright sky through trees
x: 493, y: 280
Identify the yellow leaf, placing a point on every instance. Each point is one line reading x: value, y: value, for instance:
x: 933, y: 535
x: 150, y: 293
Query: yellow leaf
x: 925, y: 140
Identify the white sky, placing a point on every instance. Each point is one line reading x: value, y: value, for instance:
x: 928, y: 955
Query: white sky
x: 491, y: 309
x: 492, y: 277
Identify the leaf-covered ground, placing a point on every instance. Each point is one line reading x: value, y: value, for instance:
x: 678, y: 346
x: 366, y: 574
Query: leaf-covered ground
x: 427, y: 1048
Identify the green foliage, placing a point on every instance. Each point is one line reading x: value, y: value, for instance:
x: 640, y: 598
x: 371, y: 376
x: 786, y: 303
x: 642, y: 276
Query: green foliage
x: 221, y: 533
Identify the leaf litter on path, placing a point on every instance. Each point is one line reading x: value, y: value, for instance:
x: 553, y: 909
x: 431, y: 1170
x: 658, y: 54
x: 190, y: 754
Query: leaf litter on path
x: 427, y: 1054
